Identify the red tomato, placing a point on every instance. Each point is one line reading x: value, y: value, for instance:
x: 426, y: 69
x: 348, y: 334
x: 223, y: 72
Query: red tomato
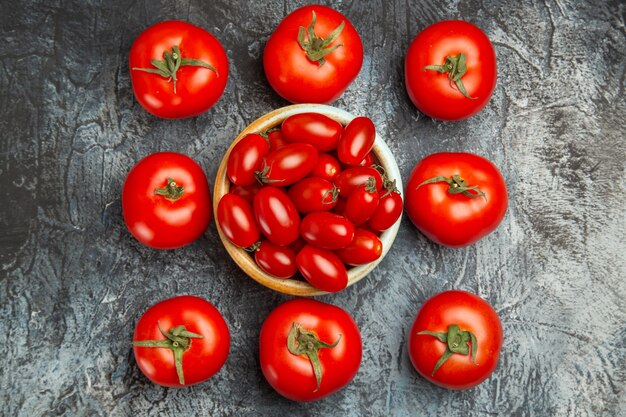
x: 327, y: 167
x: 388, y: 211
x: 352, y: 178
x: 362, y: 202
x: 276, y: 140
x: 247, y: 192
x: 305, y: 70
x: 356, y: 141
x: 367, y: 161
x: 236, y: 220
x: 444, y: 60
x: 246, y: 158
x: 276, y: 216
x: 462, y: 326
x: 340, y: 208
x: 327, y: 230
x: 288, y: 164
x: 317, y: 130
x: 302, y: 333
x: 452, y: 211
x: 166, y: 200
x: 366, y: 247
x: 279, y: 261
x: 198, y: 82
x: 190, y: 325
x: 322, y: 268
x: 313, y: 194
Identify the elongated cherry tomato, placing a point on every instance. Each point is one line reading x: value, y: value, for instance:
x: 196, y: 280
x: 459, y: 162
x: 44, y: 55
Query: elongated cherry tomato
x: 279, y: 261
x: 366, y: 247
x: 327, y: 167
x: 276, y: 140
x: 276, y: 216
x: 246, y: 158
x: 388, y: 211
x: 313, y: 128
x: 313, y: 194
x: 351, y: 178
x: 288, y: 164
x: 327, y: 230
x: 322, y: 269
x: 367, y: 161
x: 362, y: 202
x: 236, y: 220
x: 356, y: 141
x: 247, y: 192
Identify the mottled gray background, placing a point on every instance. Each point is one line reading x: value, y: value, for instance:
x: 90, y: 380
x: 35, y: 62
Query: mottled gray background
x: 73, y: 282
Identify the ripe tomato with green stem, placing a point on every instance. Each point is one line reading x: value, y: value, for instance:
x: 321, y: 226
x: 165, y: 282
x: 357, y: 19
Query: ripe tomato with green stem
x: 455, y: 340
x: 309, y: 349
x: 181, y: 341
x: 166, y: 200
x: 177, y: 69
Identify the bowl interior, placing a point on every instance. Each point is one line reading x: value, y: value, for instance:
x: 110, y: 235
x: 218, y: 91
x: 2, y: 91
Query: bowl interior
x: 222, y: 186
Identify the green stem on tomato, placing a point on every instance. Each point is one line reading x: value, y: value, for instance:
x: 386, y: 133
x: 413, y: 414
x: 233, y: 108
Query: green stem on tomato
x: 457, y: 186
x: 317, y: 48
x: 171, y: 191
x: 457, y: 341
x: 455, y: 67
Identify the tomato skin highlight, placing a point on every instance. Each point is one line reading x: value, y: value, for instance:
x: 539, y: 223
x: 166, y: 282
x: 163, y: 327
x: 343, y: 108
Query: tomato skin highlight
x: 157, y: 221
x: 292, y: 375
x: 351, y: 178
x: 470, y: 313
x: 279, y: 261
x: 322, y: 268
x: 327, y: 167
x: 276, y: 216
x: 197, y: 88
x: 296, y: 78
x: 205, y: 356
x: 246, y: 158
x: 236, y: 220
x: 327, y: 230
x: 388, y: 211
x: 288, y: 164
x: 455, y: 220
x: 431, y: 91
x: 356, y: 141
x: 316, y: 129
x: 366, y: 247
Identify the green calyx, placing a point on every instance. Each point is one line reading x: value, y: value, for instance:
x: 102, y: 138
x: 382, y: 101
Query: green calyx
x: 457, y: 186
x: 455, y: 66
x: 171, y: 62
x: 330, y: 196
x: 457, y: 341
x: 171, y: 191
x: 178, y: 340
x: 304, y: 342
x: 317, y: 48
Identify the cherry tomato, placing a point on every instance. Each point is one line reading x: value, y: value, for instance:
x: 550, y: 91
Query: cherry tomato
x: 388, y: 211
x: 236, y: 220
x: 246, y: 158
x: 247, y: 192
x: 352, y: 178
x: 362, y: 202
x: 196, y: 84
x: 367, y: 161
x: 288, y: 164
x: 308, y: 349
x: 327, y: 167
x: 306, y: 70
x: 279, y: 261
x: 456, y: 199
x: 316, y: 129
x: 322, y: 269
x: 366, y: 247
x: 276, y: 216
x: 313, y: 194
x: 450, y: 70
x: 327, y: 230
x: 276, y: 140
x: 356, y: 141
x: 166, y: 200
x: 462, y: 327
x: 187, y: 326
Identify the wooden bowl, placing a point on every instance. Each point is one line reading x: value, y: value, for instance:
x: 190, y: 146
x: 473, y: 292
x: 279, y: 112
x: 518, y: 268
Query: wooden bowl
x: 222, y: 186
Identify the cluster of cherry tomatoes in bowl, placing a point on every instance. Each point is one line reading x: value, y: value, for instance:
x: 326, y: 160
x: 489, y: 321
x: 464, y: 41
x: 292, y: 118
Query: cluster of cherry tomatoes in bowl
x: 317, y: 195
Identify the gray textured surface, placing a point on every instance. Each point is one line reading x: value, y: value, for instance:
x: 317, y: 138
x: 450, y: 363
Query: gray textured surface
x: 73, y: 282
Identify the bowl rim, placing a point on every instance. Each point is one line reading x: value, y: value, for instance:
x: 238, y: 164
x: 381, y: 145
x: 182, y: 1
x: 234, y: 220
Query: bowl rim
x: 222, y: 186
